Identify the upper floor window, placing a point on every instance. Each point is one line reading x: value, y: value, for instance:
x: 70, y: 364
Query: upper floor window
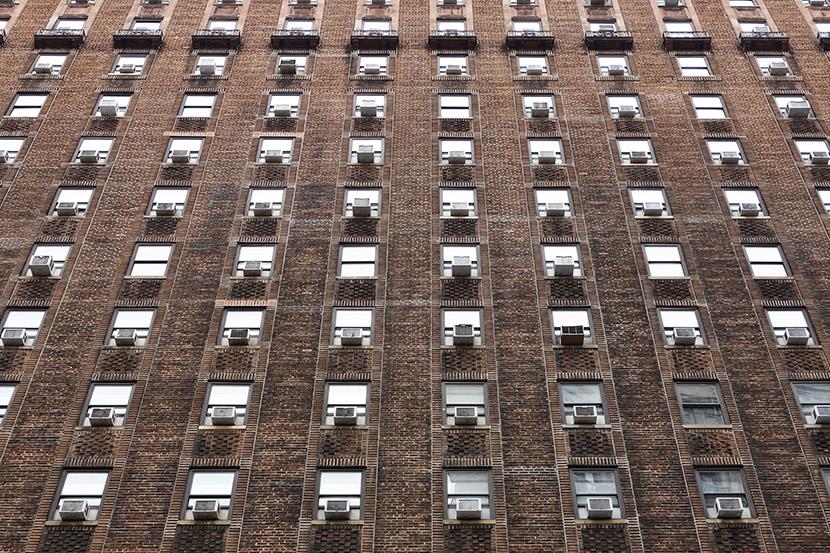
x: 582, y: 403
x: 370, y: 105
x: 71, y: 201
x: 456, y: 151
x: 791, y: 327
x: 346, y: 403
x: 664, y: 261
x: 47, y: 260
x: 69, y: 24
x: 292, y: 65
x: 609, y: 26
x: 27, y: 104
x: 726, y: 152
x: 129, y: 64
x: 366, y: 150
x: 6, y: 395
x: 465, y: 403
x: 624, y: 106
x: 766, y: 261
x: 352, y: 327
x: 709, y: 106
x: 743, y: 4
x: 209, y: 65
x: 130, y: 327
x: 373, y: 65
x: 209, y: 495
x: 146, y: 25
x: 571, y: 327
x: 526, y: 25
x: 795, y: 106
x: 462, y: 327
x: 815, y: 152
x: 649, y: 202
x: 10, y: 149
x: 681, y: 327
x: 811, y: 395
x: 112, y: 105
x: 49, y: 64
x: 93, y: 150
x: 197, y: 105
x: 694, y: 66
x: 596, y: 494
x: 636, y: 151
x: 458, y: 202
x: 226, y: 404
x: 362, y: 202
x: 701, y: 403
x: 744, y: 202
x: 284, y: 105
x: 254, y: 260
x: 459, y: 261
x: 241, y: 327
x: 226, y: 25
x: 106, y: 404
x: 724, y: 493
x: 299, y: 25
x: 553, y: 202
x: 150, y: 260
x: 678, y: 26
x: 451, y: 26
x: 167, y: 202
x: 773, y: 66
x: 381, y: 26
x: 532, y: 65
x: 275, y: 150
x: 21, y: 326
x: 824, y: 197
x: 454, y: 106
x: 79, y: 495
x: 545, y: 152
x: 339, y: 495
x: 753, y: 26
x: 4, y: 22
x: 184, y: 150
x: 536, y: 105
x: 468, y: 494
x: 358, y: 261
x: 613, y: 65
x: 562, y: 260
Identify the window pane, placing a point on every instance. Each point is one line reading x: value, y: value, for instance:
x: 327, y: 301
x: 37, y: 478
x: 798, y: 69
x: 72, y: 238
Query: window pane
x: 468, y: 482
x: 347, y: 394
x: 594, y: 482
x: 243, y: 319
x: 464, y: 394
x: 104, y: 394
x: 340, y: 483
x: 721, y: 482
x: 212, y: 483
x: 24, y: 319
x: 133, y: 319
x: 84, y: 483
x: 229, y: 394
x: 581, y: 394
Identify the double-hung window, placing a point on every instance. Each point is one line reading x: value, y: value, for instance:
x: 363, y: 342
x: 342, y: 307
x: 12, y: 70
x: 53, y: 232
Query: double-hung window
x: 27, y: 104
x: 369, y: 105
x: 150, y: 260
x: 726, y: 152
x: 649, y: 202
x: 284, y: 105
x: 265, y: 202
x: 77, y: 198
x: 533, y: 65
x: 255, y: 260
x: 6, y: 395
x: 80, y: 493
x: 341, y: 395
x: 572, y: 326
x: 358, y: 199
x: 275, y: 150
x: 744, y: 202
x: 562, y: 260
x: 352, y: 327
x: 664, y: 261
x: 93, y: 150
x: 791, y: 327
x: 595, y: 484
x: 534, y: 105
x: 557, y: 200
x: 107, y: 103
x: 636, y: 151
x: 10, y: 148
x: 694, y: 66
x: 462, y: 327
x: 458, y: 202
x: 454, y: 106
x: 773, y: 66
x: 790, y: 104
x: 469, y: 395
x: 543, y: 152
x: 718, y: 484
x: 130, y: 64
x: 681, y: 327
x: 373, y: 65
x: 813, y: 151
x: 613, y: 65
x: 51, y: 64
x: 206, y: 486
x: 210, y: 65
x: 130, y: 327
x: 197, y: 105
x: 766, y: 261
x: 241, y: 327
x: 809, y: 395
x: 179, y: 149
x: 21, y: 326
x: 107, y: 396
x: 167, y: 201
x: 358, y: 261
x: 701, y: 403
x: 582, y: 394
x: 56, y: 255
x: 621, y: 106
x: 366, y: 150
x: 709, y: 106
x: 226, y: 394
x: 457, y: 151
x: 468, y: 484
x: 458, y: 260
x: 339, y: 494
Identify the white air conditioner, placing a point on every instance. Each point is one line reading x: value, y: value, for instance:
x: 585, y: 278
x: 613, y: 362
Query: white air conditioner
x: 468, y: 508
x: 351, y: 336
x: 548, y: 157
x: 43, y: 68
x: 337, y: 509
x: 165, y: 209
x: 628, y: 111
x: 599, y: 507
x: 671, y: 3
x: 454, y: 69
x: 535, y: 69
x: 684, y: 336
x: 262, y: 209
x: 287, y: 67
x: 88, y: 156
x: 361, y: 207
x: 461, y: 266
x: 345, y: 416
x: 796, y: 336
x: 66, y: 209
x: 465, y: 415
x: 652, y: 209
x: 606, y: 27
x: 371, y: 69
x: 450, y: 2
x: 555, y: 209
x: 459, y: 209
x: 272, y: 156
x: 14, y: 336
x: 456, y: 157
x: 366, y: 154
x: 798, y: 109
x: 563, y: 266
x: 125, y: 336
x: 281, y: 110
x: 572, y: 335
x: 102, y: 416
x: 729, y: 507
x: 378, y: 2
x: 817, y: 3
x: 524, y: 2
x: 207, y: 68
x: 239, y: 337
x: 126, y: 68
x: 224, y: 415
x: 108, y: 107
x: 41, y: 265
x: 179, y: 156
x: 540, y: 109
x: 616, y: 70
x: 819, y: 158
x: 252, y: 269
x: 73, y: 510
x: 368, y: 109
x: 4, y: 157
x: 638, y: 157
x: 585, y: 414
x: 761, y: 29
x: 749, y: 209
x: 730, y: 158
x: 821, y: 414
x: 206, y: 509
x: 153, y: 2
x: 463, y: 335
x: 778, y: 68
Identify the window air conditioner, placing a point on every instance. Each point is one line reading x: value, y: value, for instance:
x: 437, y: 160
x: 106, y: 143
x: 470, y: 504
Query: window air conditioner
x: 798, y: 109
x: 600, y: 507
x: 627, y: 111
x: 165, y: 209
x: 450, y: 2
x: 468, y: 508
x: 671, y: 3
x: 796, y: 336
x: 66, y: 209
x: 616, y: 70
x: 368, y: 109
x: 102, y: 416
x: 638, y: 157
x: 262, y: 209
x: 817, y: 3
x: 43, y: 69
x: 456, y: 157
x: 108, y: 107
x: 351, y: 336
x: 125, y: 336
x: 555, y: 209
x: 88, y: 156
x: 459, y: 209
x: 761, y: 29
x: 179, y: 156
x: 585, y: 414
x: 821, y: 414
x: 463, y: 335
x: 206, y: 509
x: 252, y: 269
x: 819, y: 158
x: 207, y: 68
x: 41, y: 265
x: 596, y: 2
x: 572, y: 335
x: 454, y: 69
x: 652, y: 209
x: 465, y: 415
x: 4, y: 157
x: 461, y: 266
x: 272, y: 156
x: 361, y: 207
x: 223, y: 416
x: 749, y: 209
x: 14, y: 336
x: 73, y: 510
x: 730, y: 158
x: 535, y: 69
x: 239, y: 337
x: 548, y: 157
x: 345, y: 416
x: 729, y: 507
x: 366, y: 154
x: 563, y: 266
x: 126, y: 68
x: 337, y: 509
x: 288, y: 67
x: 371, y: 69
x: 684, y: 336
x: 778, y: 68
x: 606, y: 28
x: 281, y: 110
x: 540, y: 109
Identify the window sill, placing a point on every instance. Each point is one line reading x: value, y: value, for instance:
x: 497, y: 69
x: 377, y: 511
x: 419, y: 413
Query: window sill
x: 453, y: 217
x: 239, y: 348
x: 784, y: 278
x: 71, y: 523
x: 808, y: 346
x: 16, y: 348
x: 139, y: 277
x: 451, y: 347
x: 686, y: 278
x: 754, y: 217
x: 352, y: 278
x: 99, y: 428
x: 583, y: 346
x: 585, y: 426
x: 239, y: 278
x: 692, y: 347
x: 454, y: 278
x: 701, y: 78
x: 113, y: 347
x: 476, y: 427
x: 221, y: 427
x: 337, y: 522
x: 589, y: 521
x: 732, y: 521
x: 707, y: 426
x: 652, y: 217
x: 347, y: 348
x: 30, y: 278
x: 339, y: 426
x: 477, y: 522
x: 629, y: 164
x: 124, y: 77
x: 453, y: 78
x: 183, y: 522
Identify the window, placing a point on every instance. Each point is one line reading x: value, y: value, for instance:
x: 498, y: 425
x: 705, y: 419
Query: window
x: 254, y: 260
x: 649, y: 202
x: 366, y: 150
x: 458, y: 202
x: 708, y: 106
x: 809, y: 149
x: 359, y: 198
x: 613, y: 65
x: 346, y: 394
x: 742, y: 4
x: 106, y: 102
x: 181, y: 148
x: 197, y: 105
x: 678, y: 27
x: 822, y: 27
x: 77, y: 197
x: 773, y: 65
x: 620, y: 105
x: 4, y: 22
x: 609, y: 26
x: 791, y: 327
x: 664, y: 261
x: 358, y: 261
x: 459, y: 261
x: 150, y: 260
x: 21, y: 327
x: 299, y: 25
x: 810, y: 394
x: 167, y: 201
x: 236, y: 320
x: 82, y: 486
x: 527, y: 26
x: 379, y: 26
x: 453, y: 65
x: 130, y: 63
x: 265, y: 202
x: 6, y: 395
x: 11, y: 147
x: 598, y: 483
x: 468, y: 484
x: 207, y: 66
x: 555, y: 199
x: 49, y: 63
x: 27, y: 104
x: 69, y: 24
x: 744, y: 202
x: 766, y: 261
x: 227, y: 394
x: 225, y: 25
x: 352, y: 327
x: 373, y: 65
x: 56, y: 253
x: 581, y: 394
x: 451, y: 26
x: 783, y: 101
x: 824, y: 197
x: 465, y: 394
x: 130, y: 327
x: 701, y: 403
x: 571, y: 326
x: 532, y: 65
x: 93, y: 150
x: 283, y: 105
x: 210, y: 485
x: 339, y: 492
x: 543, y: 152
x: 636, y: 151
x: 369, y: 105
x: 753, y: 26
x: 275, y: 150
x: 462, y: 327
x: 723, y: 483
x: 454, y: 106
x: 562, y: 261
x: 292, y: 64
x: 538, y: 106
x: 146, y: 25
x: 108, y: 396
x: 693, y: 66
x: 726, y: 152
x: 687, y: 324
x: 455, y: 151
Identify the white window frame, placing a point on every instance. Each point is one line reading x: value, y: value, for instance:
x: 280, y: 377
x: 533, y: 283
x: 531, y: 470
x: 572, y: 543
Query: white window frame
x: 150, y: 260
x: 139, y: 319
x: 163, y: 194
x: 572, y: 317
x: 240, y: 318
x: 452, y: 317
x: 30, y: 320
x: 352, y: 318
x: 681, y: 318
x: 641, y: 196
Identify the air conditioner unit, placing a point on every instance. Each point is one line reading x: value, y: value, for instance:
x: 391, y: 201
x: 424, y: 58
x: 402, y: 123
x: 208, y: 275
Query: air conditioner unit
x: 585, y: 414
x: 450, y: 2
x: 729, y: 507
x: 223, y: 416
x: 821, y: 414
x: 465, y: 416
x: 572, y: 335
x: 671, y: 3
x: 206, y: 509
x: 817, y: 3
x: 599, y: 507
x: 351, y: 336
x: 563, y: 266
x: 88, y: 156
x: 535, y: 69
x: 41, y: 265
x: 730, y: 158
x: 153, y: 2
x: 361, y: 207
x: 596, y: 2
x: 165, y: 209
x: 684, y: 336
x: 4, y: 157
x: 378, y: 2
x: 272, y: 156
x: 14, y: 336
x: 524, y: 2
x: 540, y: 109
x: 126, y: 68
x: 454, y: 70
x: 262, y: 209
x: 368, y: 109
x: 548, y: 157
x: 627, y: 111
x: 207, y: 68
x: 456, y: 158
x: 252, y: 269
x: 461, y: 266
x: 73, y: 510
x: 749, y: 209
x: 798, y: 109
x: 66, y: 209
x: 760, y: 29
x: 638, y: 157
x: 43, y: 68
x: 281, y: 110
x: 180, y: 156
x: 345, y: 416
x: 616, y: 70
x: 468, y: 508
x: 652, y: 209
x: 796, y: 336
x: 287, y: 67
x: 102, y: 416
x: 555, y: 209
x: 459, y: 209
x: 366, y: 154
x: 125, y: 336
x: 606, y: 28
x: 239, y: 337
x: 108, y: 107
x: 819, y: 158
x: 463, y: 335
x: 227, y: 1
x: 337, y: 509
x: 371, y: 69
x: 778, y: 68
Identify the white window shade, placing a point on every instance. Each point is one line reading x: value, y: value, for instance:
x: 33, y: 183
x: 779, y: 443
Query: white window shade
x: 229, y: 394
x: 133, y: 318
x: 359, y: 318
x: 29, y: 319
x: 347, y: 394
x: 207, y: 483
x: 82, y: 483
x: 243, y: 318
x: 679, y: 318
x: 453, y: 318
